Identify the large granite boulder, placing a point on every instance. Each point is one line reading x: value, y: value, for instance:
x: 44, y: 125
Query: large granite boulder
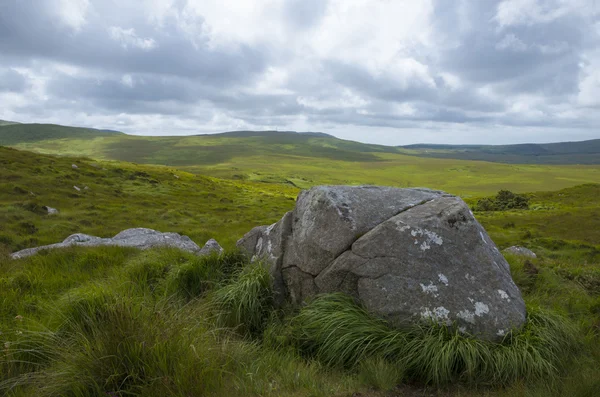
x: 409, y: 255
x: 141, y: 238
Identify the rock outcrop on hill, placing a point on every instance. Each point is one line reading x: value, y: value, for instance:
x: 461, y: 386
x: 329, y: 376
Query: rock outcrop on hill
x: 408, y: 255
x: 141, y: 238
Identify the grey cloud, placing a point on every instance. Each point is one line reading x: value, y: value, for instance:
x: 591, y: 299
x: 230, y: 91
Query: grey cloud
x: 174, y: 54
x: 129, y: 65
x: 12, y: 81
x: 383, y: 87
x: 482, y: 53
x: 303, y: 14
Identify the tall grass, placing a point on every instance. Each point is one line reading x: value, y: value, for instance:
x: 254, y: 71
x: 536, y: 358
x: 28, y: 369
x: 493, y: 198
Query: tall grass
x: 145, y: 347
x: 335, y: 330
x: 246, y: 302
x: 197, y: 275
x: 140, y: 329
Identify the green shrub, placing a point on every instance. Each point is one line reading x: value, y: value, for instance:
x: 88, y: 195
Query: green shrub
x: 504, y: 200
x: 486, y: 204
x: 339, y: 333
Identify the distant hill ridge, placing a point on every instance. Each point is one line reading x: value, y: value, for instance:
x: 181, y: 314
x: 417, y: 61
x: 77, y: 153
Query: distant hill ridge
x: 246, y: 133
x: 579, y: 152
x: 219, y: 147
x: 5, y: 122
x: 13, y: 134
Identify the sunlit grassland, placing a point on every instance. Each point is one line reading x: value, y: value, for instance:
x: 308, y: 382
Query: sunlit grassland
x: 111, y: 321
x: 309, y: 161
x: 120, y: 322
x: 124, y: 195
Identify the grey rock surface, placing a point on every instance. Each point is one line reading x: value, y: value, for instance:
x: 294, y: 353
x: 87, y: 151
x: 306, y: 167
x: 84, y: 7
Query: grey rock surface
x: 211, y: 246
x: 409, y: 255
x: 141, y: 238
x: 521, y: 251
x: 51, y: 211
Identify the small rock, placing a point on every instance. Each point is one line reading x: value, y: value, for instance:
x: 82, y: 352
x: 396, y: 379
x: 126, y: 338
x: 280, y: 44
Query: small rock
x: 141, y: 238
x: 74, y: 166
x: 176, y: 176
x: 521, y: 251
x: 86, y: 188
x: 211, y: 246
x: 51, y: 211
x: 77, y: 188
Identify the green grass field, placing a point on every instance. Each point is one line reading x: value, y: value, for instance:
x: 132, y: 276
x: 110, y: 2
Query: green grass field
x: 298, y: 160
x: 123, y: 195
x: 112, y: 321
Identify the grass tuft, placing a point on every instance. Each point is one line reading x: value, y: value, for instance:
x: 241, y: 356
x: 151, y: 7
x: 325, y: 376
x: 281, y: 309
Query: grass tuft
x: 335, y: 330
x: 198, y: 275
x: 380, y: 373
x: 246, y: 302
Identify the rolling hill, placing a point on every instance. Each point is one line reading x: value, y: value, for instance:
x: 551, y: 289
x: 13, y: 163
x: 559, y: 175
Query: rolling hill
x: 5, y: 122
x: 13, y: 134
x: 112, y: 321
x: 583, y: 152
x: 299, y: 159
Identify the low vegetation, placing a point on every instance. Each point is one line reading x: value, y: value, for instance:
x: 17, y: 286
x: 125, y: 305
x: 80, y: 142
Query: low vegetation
x: 116, y: 196
x: 114, y: 321
x: 304, y: 160
x: 504, y: 200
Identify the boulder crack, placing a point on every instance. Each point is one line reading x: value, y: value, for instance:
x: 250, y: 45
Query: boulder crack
x: 349, y: 246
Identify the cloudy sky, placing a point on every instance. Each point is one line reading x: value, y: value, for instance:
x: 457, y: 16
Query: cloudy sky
x: 383, y: 71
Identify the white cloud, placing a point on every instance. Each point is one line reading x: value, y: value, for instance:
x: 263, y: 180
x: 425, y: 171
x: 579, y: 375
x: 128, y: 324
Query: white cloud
x: 589, y: 89
x: 390, y: 71
x: 451, y: 80
x: 372, y: 33
x: 511, y: 42
x: 273, y: 82
x: 127, y: 80
x: 344, y: 99
x: 404, y: 109
x: 529, y: 12
x: 239, y: 21
x: 406, y: 72
x: 72, y: 13
x: 127, y: 38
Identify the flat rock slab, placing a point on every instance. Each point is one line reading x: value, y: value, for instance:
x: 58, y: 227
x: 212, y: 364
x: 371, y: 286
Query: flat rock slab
x: 409, y: 255
x: 141, y: 238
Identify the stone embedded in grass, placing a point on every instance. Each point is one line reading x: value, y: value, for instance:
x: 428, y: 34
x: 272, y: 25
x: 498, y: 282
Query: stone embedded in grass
x: 211, y: 246
x: 74, y: 166
x: 520, y: 251
x: 408, y: 255
x: 141, y: 238
x: 51, y: 211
